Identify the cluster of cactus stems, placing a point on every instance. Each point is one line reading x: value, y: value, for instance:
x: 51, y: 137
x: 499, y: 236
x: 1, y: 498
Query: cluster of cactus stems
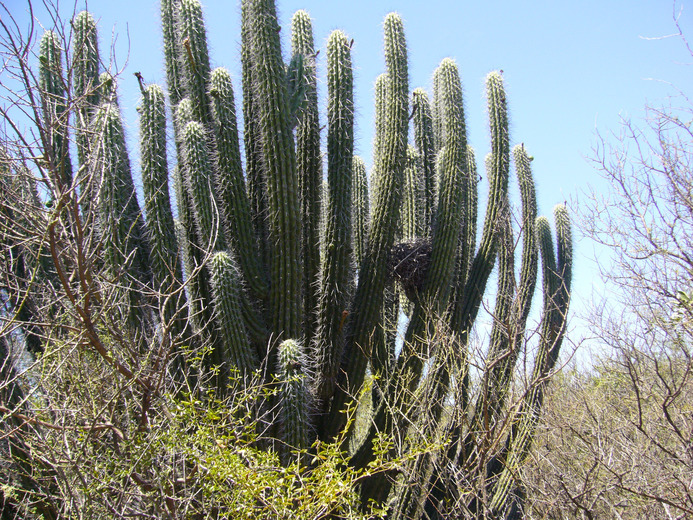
x: 281, y: 279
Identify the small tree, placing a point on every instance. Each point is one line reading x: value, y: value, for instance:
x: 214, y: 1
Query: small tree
x: 627, y: 451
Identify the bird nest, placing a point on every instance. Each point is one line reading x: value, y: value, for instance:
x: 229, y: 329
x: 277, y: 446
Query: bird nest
x: 409, y: 262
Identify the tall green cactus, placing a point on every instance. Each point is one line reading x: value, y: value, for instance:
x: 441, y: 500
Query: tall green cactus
x: 86, y: 79
x: 295, y: 398
x: 424, y: 143
x: 194, y: 57
x: 126, y: 249
x: 237, y: 350
x: 413, y: 205
x: 165, y: 260
x: 362, y: 334
x: 336, y: 275
x: 245, y: 249
x: 233, y: 197
x: 360, y: 210
x: 53, y: 95
x: 279, y: 163
x: 309, y: 164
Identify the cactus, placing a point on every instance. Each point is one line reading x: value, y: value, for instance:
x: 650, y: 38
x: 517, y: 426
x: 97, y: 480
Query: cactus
x: 413, y: 205
x: 52, y: 85
x: 120, y: 219
x: 279, y: 161
x: 233, y: 197
x: 165, y: 261
x: 295, y: 397
x: 241, y: 265
x: 86, y: 81
x: 194, y: 58
x: 363, y: 336
x: 227, y: 302
x: 360, y: 214
x: 423, y: 140
x: 309, y: 164
x: 336, y: 269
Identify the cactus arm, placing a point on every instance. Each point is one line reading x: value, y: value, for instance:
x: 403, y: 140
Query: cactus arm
x: 120, y: 218
x: 412, y: 207
x: 309, y: 164
x: 360, y: 210
x: 232, y: 193
x: 278, y: 157
x: 200, y: 184
x: 435, y: 295
x: 423, y: 140
x: 509, y: 325
x: 255, y: 174
x: 366, y: 313
x: 337, y: 266
x: 165, y: 261
x: 235, y: 349
x: 194, y: 58
x: 467, y: 307
x: 52, y: 85
x: 85, y: 79
x: 174, y: 78
x: 501, y: 356
x: 431, y: 303
x: 557, y: 277
x: 295, y: 399
x: 166, y: 270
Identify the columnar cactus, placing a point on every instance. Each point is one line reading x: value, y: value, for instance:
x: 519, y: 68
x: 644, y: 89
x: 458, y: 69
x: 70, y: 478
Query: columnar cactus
x: 237, y: 352
x: 424, y: 143
x: 121, y: 224
x: 279, y: 162
x: 295, y: 398
x: 360, y: 212
x: 336, y: 271
x: 363, y: 337
x: 165, y: 261
x: 86, y: 80
x: 55, y: 111
x: 413, y: 205
x: 240, y: 266
x: 233, y: 197
x: 309, y: 164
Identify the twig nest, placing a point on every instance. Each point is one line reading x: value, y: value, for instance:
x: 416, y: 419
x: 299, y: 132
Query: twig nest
x: 409, y: 262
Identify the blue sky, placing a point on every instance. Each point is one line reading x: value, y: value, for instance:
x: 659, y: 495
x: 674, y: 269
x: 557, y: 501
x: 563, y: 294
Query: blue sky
x: 571, y: 68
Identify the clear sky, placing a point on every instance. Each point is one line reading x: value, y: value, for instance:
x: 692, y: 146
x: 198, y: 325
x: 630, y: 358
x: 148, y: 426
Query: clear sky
x: 571, y: 68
